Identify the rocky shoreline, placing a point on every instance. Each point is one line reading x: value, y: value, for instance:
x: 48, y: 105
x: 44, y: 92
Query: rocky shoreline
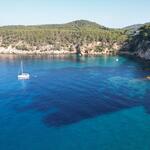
x: 52, y: 52
x: 140, y: 54
x: 94, y: 48
x: 16, y: 51
x: 10, y: 50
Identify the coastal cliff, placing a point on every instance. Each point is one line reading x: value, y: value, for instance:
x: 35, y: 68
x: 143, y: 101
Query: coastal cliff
x: 81, y: 36
x: 138, y: 43
x: 93, y: 48
x: 77, y: 37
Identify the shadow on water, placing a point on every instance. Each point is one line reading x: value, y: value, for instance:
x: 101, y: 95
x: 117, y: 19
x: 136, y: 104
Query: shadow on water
x: 71, y: 94
x: 76, y: 97
x: 75, y: 107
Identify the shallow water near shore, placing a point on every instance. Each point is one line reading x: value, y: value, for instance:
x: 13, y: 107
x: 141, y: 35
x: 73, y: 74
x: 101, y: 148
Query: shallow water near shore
x: 74, y: 102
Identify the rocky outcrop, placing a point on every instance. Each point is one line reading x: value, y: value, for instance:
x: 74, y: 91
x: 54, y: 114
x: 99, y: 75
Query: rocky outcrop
x: 100, y: 48
x: 11, y: 50
x: 93, y: 48
x: 143, y: 50
x: 139, y: 43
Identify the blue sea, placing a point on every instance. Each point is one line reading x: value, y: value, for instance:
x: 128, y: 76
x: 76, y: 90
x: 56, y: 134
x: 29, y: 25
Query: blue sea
x: 74, y: 103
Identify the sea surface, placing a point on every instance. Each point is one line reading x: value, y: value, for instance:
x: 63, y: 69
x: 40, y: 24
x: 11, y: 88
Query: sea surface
x: 74, y: 103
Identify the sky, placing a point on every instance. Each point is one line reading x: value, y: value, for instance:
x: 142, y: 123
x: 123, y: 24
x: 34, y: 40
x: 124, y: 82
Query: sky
x: 110, y: 13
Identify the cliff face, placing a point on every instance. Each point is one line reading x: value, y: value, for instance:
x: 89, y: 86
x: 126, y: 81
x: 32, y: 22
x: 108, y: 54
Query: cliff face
x: 139, y: 43
x: 143, y: 49
x: 92, y: 48
x: 100, y: 47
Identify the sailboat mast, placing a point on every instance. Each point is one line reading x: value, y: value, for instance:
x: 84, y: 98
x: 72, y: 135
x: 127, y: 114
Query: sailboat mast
x: 21, y: 67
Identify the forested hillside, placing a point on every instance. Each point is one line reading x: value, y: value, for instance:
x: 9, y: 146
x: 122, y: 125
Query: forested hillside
x: 79, y: 36
x: 64, y: 36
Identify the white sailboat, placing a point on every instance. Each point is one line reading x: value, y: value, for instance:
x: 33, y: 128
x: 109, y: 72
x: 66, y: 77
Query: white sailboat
x: 23, y: 76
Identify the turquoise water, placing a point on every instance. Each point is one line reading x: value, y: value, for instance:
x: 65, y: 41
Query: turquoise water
x: 75, y: 103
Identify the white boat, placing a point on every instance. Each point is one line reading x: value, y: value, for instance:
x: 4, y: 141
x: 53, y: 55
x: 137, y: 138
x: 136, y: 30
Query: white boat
x: 148, y: 77
x: 23, y: 76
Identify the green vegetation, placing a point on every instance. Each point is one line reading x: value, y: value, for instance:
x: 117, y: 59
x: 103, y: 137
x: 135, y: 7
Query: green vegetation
x: 98, y: 49
x: 81, y: 35
x: 77, y: 32
x: 140, y: 40
x: 144, y: 33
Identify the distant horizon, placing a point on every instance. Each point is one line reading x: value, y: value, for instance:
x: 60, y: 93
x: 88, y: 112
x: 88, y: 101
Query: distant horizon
x: 70, y: 22
x: 109, y: 13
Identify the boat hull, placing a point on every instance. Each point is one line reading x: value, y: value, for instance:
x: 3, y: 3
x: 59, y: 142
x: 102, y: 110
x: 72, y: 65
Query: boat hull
x: 24, y: 76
